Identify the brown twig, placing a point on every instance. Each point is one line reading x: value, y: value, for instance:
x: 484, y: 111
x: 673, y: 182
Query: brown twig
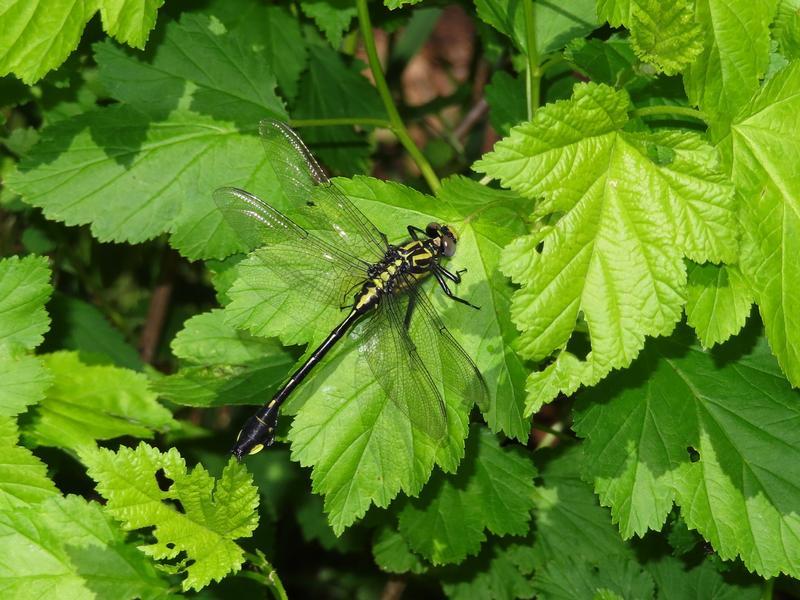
x: 394, y: 588
x: 475, y: 115
x: 157, y: 310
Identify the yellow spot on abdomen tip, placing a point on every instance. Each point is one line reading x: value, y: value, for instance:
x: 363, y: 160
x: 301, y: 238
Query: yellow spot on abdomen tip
x: 256, y: 449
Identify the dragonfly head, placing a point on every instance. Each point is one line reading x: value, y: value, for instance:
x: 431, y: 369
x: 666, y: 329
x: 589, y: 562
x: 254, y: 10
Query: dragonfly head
x: 444, y: 238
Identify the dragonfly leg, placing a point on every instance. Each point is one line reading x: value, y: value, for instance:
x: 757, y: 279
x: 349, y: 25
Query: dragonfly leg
x: 412, y: 301
x: 454, y: 277
x: 414, y: 231
x: 448, y: 292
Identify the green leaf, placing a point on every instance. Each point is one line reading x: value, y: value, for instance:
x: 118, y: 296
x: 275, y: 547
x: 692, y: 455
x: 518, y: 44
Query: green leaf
x: 393, y: 555
x: 786, y: 28
x: 23, y: 477
x: 611, y: 578
x: 735, y: 37
x: 363, y: 448
x: 196, y: 67
x: 555, y: 24
x: 78, y: 325
x: 227, y: 366
x: 23, y: 382
x: 314, y: 527
x: 88, y: 403
x: 207, y: 339
x: 665, y: 34
x: 675, y: 580
x: 68, y: 548
x: 24, y: 290
x: 272, y: 31
x: 610, y: 61
x: 38, y: 35
x: 716, y: 433
x: 569, y: 521
x: 718, y: 302
x: 503, y: 571
x: 130, y: 177
x: 506, y: 97
x: 197, y: 515
x: 492, y: 490
x: 333, y: 17
x: 760, y: 155
x: 619, y: 212
x: 129, y: 21
x: 328, y: 80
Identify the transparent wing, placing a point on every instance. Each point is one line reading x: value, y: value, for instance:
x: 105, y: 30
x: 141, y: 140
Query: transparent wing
x: 314, y: 272
x: 445, y: 359
x: 316, y: 202
x: 400, y: 371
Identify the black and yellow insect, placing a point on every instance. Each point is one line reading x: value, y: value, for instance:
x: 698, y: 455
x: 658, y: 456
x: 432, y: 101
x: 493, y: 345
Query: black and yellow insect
x: 339, y: 258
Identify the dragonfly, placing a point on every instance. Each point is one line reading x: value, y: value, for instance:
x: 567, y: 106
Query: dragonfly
x: 331, y: 254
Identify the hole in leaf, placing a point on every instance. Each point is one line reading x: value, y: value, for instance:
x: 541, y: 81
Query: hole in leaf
x: 164, y: 482
x: 694, y: 455
x: 176, y: 503
x: 579, y: 344
x: 540, y: 247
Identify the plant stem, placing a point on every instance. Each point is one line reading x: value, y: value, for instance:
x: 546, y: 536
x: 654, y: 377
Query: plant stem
x: 268, y: 575
x: 769, y: 586
x: 534, y: 73
x: 340, y: 121
x: 685, y: 111
x: 397, y: 124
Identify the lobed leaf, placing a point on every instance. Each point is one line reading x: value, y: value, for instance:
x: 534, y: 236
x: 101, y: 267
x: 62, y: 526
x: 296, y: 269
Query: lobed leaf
x: 734, y: 58
x: 718, y: 302
x: 195, y: 66
x: 23, y: 477
x: 760, y: 155
x: 619, y: 212
x: 38, y: 35
x: 492, y: 490
x: 68, y: 548
x: 665, y: 34
x: 736, y: 412
x: 196, y: 519
x: 88, y: 403
x: 24, y: 290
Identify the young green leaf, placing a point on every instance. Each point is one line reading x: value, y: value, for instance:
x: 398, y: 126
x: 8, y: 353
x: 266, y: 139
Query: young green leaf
x: 715, y: 433
x: 493, y: 490
x: 195, y: 66
x: 24, y: 290
x: 735, y: 56
x: 718, y: 302
x: 196, y: 518
x: 665, y: 34
x: 786, y: 28
x: 23, y: 477
x: 69, y: 548
x: 38, y: 35
x: 620, y: 211
x: 88, y: 403
x: 760, y: 153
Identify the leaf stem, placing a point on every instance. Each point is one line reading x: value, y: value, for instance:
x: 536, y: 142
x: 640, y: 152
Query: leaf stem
x: 268, y: 574
x: 340, y: 121
x: 534, y: 72
x: 684, y: 111
x: 769, y: 586
x: 397, y: 124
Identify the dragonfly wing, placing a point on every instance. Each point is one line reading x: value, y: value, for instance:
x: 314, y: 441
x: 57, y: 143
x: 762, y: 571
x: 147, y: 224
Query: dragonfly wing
x: 400, y: 371
x: 317, y: 202
x: 445, y: 359
x: 308, y: 270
